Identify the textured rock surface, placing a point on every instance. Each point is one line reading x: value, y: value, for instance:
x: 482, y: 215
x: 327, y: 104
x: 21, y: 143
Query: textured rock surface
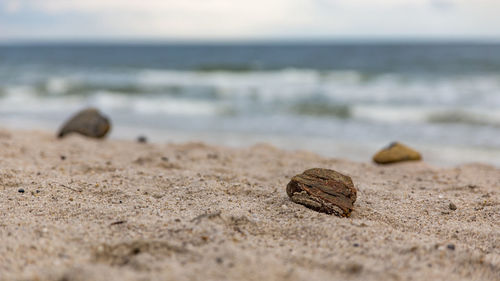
x: 323, y: 190
x: 396, y: 152
x: 88, y: 122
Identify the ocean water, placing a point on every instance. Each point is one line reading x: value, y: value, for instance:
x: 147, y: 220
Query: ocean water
x: 339, y: 100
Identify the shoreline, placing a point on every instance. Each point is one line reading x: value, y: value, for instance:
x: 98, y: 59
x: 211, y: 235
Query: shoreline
x: 439, y: 156
x: 122, y: 210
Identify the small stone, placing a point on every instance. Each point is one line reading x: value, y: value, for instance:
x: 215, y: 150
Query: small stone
x: 63, y: 157
x: 212, y: 156
x: 356, y: 245
x: 396, y: 152
x: 324, y: 191
x: 88, y: 122
x: 20, y: 190
x: 354, y: 268
x: 452, y: 206
x: 142, y: 139
x: 451, y: 247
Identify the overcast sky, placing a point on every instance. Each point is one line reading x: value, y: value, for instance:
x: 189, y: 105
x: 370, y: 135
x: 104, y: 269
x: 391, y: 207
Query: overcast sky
x: 248, y: 19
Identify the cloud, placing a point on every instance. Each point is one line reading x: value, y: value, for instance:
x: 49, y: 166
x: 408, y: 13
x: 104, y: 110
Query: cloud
x: 11, y: 6
x: 443, y: 4
x: 229, y: 19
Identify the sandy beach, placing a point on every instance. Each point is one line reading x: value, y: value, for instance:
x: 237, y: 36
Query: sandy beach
x: 81, y: 209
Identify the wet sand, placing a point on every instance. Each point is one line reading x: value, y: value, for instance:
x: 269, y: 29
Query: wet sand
x: 120, y: 210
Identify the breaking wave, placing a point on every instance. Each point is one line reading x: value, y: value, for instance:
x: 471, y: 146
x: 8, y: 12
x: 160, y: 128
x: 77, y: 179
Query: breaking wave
x: 385, y: 97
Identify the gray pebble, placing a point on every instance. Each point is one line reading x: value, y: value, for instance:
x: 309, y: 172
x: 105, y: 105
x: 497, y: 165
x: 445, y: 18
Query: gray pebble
x: 89, y: 122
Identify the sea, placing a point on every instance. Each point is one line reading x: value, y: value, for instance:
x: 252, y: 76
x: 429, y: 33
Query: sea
x: 344, y: 100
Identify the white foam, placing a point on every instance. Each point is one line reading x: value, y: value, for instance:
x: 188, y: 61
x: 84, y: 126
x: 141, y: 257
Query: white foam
x: 57, y: 85
x: 152, y: 105
x: 426, y: 114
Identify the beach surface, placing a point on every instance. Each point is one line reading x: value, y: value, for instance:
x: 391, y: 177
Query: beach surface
x: 122, y: 210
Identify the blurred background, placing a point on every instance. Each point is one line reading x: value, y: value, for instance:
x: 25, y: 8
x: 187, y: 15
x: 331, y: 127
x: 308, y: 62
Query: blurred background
x: 342, y: 78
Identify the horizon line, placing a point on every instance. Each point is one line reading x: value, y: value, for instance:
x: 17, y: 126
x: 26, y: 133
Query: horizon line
x: 240, y: 41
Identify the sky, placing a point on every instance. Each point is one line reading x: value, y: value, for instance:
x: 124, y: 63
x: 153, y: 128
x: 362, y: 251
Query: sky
x: 248, y: 19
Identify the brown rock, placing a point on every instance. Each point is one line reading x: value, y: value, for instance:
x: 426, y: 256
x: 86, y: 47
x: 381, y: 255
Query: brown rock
x: 396, y: 152
x: 88, y: 122
x: 324, y: 191
x: 452, y: 206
